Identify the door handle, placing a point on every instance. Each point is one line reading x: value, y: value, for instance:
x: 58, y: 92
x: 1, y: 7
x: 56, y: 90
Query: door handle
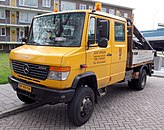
x: 109, y: 54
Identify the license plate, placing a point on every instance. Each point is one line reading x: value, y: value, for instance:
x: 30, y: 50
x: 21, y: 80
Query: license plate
x: 24, y: 87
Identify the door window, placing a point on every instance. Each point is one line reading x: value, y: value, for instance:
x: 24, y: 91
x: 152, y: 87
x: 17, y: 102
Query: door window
x: 91, y: 31
x: 1, y: 47
x: 2, y: 31
x: 94, y: 32
x: 119, y: 29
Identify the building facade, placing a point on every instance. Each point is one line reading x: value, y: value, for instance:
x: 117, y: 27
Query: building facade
x: 17, y: 14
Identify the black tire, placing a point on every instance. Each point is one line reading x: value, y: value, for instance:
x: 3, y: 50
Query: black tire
x: 81, y: 107
x: 130, y: 84
x: 25, y: 99
x: 139, y: 84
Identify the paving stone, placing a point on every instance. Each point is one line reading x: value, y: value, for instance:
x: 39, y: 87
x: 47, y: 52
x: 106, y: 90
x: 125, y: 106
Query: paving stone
x: 120, y: 109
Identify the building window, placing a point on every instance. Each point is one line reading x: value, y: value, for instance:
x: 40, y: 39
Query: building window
x: 125, y: 15
x: 11, y: 47
x: 91, y: 7
x: 119, y: 29
x: 29, y: 3
x: 26, y: 17
x: 83, y: 6
x: 112, y: 11
x: 2, y: 31
x: 21, y: 33
x: 118, y: 13
x: 1, y: 47
x: 67, y: 5
x: 46, y: 3
x: 104, y: 10
x: 2, y: 13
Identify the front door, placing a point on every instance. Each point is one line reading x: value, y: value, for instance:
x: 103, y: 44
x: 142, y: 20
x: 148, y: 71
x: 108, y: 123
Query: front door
x: 13, y: 35
x: 98, y: 59
x: 13, y: 19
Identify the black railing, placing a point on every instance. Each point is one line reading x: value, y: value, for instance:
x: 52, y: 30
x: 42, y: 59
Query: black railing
x: 39, y: 6
x: 10, y: 38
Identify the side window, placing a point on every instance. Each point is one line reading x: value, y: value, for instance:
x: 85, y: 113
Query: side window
x: 119, y: 29
x: 91, y: 31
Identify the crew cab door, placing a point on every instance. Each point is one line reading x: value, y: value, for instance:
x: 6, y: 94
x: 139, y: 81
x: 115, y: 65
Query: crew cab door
x: 119, y: 50
x: 98, y: 56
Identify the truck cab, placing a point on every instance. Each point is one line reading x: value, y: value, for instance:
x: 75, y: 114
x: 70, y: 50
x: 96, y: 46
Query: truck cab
x: 71, y: 57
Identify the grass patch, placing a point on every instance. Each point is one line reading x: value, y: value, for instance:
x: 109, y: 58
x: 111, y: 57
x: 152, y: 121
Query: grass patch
x: 4, y: 68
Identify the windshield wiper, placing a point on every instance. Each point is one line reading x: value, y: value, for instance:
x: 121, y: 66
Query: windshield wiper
x: 33, y: 43
x: 56, y: 44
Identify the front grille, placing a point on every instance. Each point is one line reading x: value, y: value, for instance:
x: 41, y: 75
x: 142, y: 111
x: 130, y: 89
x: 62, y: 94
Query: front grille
x: 31, y: 70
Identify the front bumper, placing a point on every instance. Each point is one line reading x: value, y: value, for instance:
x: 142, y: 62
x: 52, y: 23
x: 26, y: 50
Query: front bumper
x: 41, y: 93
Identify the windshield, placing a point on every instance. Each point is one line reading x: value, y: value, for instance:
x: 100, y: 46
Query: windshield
x: 57, y: 30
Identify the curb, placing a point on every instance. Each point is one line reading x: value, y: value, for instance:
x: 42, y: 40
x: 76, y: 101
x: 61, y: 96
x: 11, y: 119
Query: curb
x: 159, y: 76
x: 16, y: 110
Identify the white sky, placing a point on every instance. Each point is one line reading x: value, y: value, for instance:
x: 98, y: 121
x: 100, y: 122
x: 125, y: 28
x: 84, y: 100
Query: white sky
x: 147, y: 13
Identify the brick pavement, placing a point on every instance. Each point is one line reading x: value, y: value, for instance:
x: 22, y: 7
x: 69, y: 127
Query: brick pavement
x: 10, y: 104
x: 120, y: 109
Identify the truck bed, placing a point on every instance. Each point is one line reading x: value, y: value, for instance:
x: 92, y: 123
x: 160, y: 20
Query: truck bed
x: 139, y: 49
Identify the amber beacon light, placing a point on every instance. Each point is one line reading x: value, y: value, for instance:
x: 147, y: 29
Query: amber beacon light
x: 98, y: 6
x: 56, y: 6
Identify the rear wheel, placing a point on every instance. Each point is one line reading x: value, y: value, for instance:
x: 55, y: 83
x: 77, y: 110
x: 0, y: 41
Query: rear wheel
x: 25, y: 99
x: 140, y: 83
x: 81, y: 107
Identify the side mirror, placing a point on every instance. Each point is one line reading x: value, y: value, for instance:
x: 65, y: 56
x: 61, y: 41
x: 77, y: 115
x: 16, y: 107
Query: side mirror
x: 103, y: 28
x: 103, y: 42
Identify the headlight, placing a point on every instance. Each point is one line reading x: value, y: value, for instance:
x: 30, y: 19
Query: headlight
x: 58, y: 73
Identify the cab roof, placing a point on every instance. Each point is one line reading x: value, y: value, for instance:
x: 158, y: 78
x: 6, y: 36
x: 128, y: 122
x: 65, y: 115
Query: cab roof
x: 85, y: 11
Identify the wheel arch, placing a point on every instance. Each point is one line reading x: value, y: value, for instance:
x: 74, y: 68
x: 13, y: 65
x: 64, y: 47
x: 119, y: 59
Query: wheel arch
x: 88, y: 78
x: 147, y: 68
x: 140, y: 68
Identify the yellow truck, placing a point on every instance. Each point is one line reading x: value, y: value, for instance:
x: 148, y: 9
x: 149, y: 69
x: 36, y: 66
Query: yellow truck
x: 71, y: 57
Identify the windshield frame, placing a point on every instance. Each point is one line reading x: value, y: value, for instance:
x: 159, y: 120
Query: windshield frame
x: 60, y: 13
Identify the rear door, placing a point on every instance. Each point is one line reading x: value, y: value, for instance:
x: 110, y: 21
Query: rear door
x: 119, y: 51
x: 98, y: 59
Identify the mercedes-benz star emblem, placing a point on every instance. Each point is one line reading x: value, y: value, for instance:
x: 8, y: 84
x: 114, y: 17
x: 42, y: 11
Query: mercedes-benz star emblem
x: 26, y: 69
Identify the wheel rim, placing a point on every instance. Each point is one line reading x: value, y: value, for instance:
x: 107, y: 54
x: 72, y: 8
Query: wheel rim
x: 143, y: 81
x: 86, y: 106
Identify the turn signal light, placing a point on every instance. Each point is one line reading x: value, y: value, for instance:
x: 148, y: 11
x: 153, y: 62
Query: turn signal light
x: 60, y: 69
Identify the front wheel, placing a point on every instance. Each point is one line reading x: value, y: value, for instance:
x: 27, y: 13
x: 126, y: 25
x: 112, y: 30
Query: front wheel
x: 81, y: 107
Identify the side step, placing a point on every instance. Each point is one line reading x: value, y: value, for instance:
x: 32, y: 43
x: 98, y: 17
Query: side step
x: 102, y: 91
